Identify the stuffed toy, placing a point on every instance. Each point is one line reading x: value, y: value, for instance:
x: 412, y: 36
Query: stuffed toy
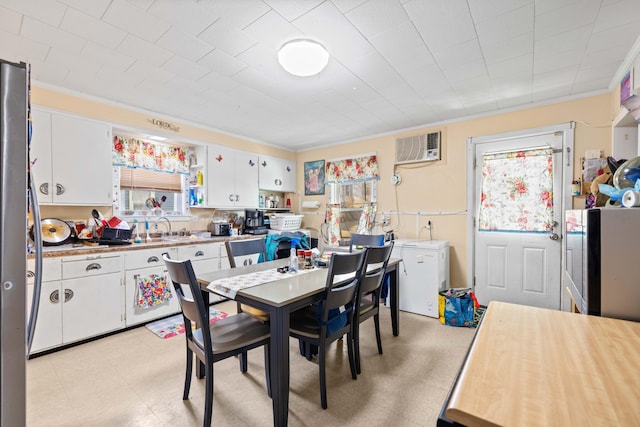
x: 602, y: 199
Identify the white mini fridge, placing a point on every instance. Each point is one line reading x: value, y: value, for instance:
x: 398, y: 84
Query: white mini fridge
x: 423, y: 272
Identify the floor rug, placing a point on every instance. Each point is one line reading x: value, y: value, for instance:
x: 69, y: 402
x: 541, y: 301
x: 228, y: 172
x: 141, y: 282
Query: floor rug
x: 172, y: 326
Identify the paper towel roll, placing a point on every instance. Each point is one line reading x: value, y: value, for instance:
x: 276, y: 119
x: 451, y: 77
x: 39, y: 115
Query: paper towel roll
x: 631, y: 199
x: 311, y: 204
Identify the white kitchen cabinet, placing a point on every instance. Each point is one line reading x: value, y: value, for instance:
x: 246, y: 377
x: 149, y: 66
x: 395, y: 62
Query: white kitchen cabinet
x: 91, y: 296
x: 72, y: 160
x: 48, y: 332
x: 232, y: 178
x: 81, y: 298
x: 143, y: 263
x: 277, y: 174
x: 205, y: 258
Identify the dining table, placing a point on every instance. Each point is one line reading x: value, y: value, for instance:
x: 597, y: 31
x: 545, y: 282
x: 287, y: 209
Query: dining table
x: 281, y: 295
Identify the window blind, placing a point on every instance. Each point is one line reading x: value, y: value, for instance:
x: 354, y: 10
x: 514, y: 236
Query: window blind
x: 144, y: 179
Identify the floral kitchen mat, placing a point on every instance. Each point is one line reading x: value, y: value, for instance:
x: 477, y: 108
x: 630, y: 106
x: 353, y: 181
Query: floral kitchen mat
x: 172, y: 326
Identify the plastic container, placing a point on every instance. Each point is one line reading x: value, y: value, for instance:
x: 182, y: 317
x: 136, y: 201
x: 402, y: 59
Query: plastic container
x: 285, y: 222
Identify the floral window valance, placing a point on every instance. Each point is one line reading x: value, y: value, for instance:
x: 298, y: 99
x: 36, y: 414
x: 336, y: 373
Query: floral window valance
x: 356, y: 169
x: 135, y: 153
x: 517, y: 191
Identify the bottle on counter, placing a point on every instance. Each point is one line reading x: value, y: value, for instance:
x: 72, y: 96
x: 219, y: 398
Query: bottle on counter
x: 293, y: 260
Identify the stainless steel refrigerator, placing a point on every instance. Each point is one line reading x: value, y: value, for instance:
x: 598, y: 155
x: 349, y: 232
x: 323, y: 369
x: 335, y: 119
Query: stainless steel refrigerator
x: 16, y: 326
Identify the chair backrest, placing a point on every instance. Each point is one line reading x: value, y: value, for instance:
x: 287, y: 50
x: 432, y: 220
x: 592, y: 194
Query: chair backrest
x: 375, y: 267
x: 345, y: 271
x: 365, y: 240
x: 193, y: 309
x: 246, y: 252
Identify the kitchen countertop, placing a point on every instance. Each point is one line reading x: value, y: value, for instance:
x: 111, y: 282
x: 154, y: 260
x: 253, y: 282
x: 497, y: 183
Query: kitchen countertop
x: 71, y: 249
x: 538, y: 367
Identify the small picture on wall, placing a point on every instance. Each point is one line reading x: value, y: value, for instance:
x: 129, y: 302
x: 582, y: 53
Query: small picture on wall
x: 314, y: 178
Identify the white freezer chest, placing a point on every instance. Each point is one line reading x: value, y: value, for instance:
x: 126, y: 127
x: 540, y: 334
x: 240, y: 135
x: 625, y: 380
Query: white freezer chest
x: 423, y: 272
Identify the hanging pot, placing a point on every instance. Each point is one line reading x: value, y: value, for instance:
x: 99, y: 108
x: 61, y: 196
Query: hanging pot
x: 54, y: 232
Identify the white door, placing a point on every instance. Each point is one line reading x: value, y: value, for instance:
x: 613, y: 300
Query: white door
x: 518, y: 204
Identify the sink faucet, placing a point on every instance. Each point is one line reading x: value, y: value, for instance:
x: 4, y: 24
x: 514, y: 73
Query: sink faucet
x: 168, y: 224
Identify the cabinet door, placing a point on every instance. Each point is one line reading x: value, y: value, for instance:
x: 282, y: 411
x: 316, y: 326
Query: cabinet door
x: 135, y: 315
x: 419, y: 281
x: 221, y: 177
x: 81, y: 161
x: 288, y: 171
x: 91, y: 306
x: 246, y: 179
x: 48, y: 331
x: 269, y: 174
x: 41, y: 155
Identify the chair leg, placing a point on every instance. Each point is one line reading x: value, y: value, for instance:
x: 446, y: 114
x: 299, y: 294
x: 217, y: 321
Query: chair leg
x: 323, y: 377
x: 267, y: 367
x: 243, y: 362
x: 376, y: 322
x: 352, y: 361
x: 356, y: 345
x: 208, y: 396
x: 187, y: 375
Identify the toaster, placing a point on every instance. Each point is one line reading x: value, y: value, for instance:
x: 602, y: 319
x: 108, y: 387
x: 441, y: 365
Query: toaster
x: 219, y: 228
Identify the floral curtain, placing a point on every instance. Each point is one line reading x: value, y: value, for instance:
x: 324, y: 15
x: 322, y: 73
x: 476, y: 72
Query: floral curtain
x: 517, y: 191
x: 366, y: 219
x: 333, y: 224
x: 356, y: 169
x: 135, y: 153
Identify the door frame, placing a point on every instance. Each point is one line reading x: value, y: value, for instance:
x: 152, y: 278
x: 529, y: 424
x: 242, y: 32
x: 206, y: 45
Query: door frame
x: 566, y: 202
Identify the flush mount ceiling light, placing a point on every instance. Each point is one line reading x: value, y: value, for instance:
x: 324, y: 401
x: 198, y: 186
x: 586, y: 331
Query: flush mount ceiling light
x: 303, y: 57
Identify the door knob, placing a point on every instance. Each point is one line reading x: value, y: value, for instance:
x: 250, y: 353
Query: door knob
x: 554, y: 236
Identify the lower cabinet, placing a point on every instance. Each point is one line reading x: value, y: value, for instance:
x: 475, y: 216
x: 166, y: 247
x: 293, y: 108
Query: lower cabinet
x: 205, y: 258
x: 142, y: 264
x: 48, y: 331
x: 81, y: 298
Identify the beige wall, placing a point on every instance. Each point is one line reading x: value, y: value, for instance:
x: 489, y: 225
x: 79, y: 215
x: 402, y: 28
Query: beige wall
x: 431, y: 187
x: 441, y: 186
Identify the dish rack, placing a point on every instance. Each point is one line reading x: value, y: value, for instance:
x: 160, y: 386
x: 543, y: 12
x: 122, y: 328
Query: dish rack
x: 285, y: 222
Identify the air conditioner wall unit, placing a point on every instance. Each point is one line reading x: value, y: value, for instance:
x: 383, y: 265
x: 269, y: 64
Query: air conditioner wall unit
x: 418, y: 148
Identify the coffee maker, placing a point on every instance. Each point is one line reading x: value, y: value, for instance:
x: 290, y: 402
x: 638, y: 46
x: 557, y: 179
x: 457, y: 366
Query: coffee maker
x: 254, y: 222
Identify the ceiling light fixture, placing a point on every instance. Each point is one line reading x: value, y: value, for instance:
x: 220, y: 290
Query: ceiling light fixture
x: 303, y: 57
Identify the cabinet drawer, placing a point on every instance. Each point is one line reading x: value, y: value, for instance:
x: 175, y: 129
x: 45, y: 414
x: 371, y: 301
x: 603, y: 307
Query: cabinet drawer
x: 51, y: 270
x: 147, y: 258
x: 202, y: 251
x: 91, y: 266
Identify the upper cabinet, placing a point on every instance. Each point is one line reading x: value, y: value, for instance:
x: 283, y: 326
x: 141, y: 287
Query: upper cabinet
x: 71, y: 160
x: 277, y: 174
x: 232, y: 178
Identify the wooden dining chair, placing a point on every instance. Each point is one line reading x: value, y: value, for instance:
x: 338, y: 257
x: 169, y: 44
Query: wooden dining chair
x: 323, y: 323
x: 368, y: 298
x: 210, y: 343
x: 365, y: 240
x: 247, y: 252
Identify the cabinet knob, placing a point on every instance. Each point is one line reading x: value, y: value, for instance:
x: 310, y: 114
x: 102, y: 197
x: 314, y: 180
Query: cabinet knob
x: 231, y: 197
x: 237, y: 197
x: 31, y: 273
x: 153, y: 259
x: 54, y: 296
x: 68, y: 294
x: 59, y: 189
x: 44, y: 188
x: 199, y: 253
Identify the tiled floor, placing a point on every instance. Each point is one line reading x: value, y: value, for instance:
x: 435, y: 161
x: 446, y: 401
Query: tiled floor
x: 135, y: 378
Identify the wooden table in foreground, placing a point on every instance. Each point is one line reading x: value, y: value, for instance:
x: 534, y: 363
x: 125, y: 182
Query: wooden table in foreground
x: 537, y: 367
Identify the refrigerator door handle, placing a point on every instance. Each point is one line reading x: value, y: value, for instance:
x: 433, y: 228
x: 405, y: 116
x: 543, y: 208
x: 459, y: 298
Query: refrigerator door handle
x: 37, y: 282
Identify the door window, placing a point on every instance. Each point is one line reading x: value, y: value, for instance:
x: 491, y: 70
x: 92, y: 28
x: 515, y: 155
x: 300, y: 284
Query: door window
x: 517, y: 190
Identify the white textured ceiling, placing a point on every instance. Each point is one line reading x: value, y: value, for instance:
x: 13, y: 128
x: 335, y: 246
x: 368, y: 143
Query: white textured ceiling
x: 395, y: 64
